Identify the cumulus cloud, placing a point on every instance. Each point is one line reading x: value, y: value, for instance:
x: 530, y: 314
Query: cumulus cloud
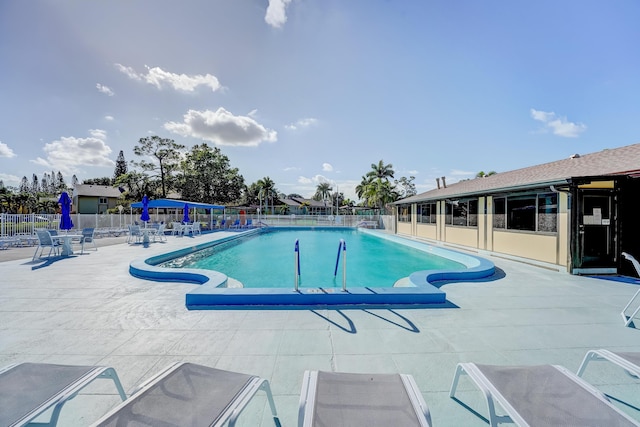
x: 302, y: 123
x: 68, y: 154
x: 104, y: 89
x: 160, y: 78
x: 558, y: 125
x: 326, y: 167
x: 277, y: 13
x: 5, y: 151
x: 109, y: 118
x: 222, y: 128
x: 8, y: 179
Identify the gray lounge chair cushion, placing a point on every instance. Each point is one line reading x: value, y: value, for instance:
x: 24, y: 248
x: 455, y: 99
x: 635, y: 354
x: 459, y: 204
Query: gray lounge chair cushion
x: 545, y: 397
x: 362, y: 400
x: 631, y: 357
x: 27, y: 387
x: 192, y: 395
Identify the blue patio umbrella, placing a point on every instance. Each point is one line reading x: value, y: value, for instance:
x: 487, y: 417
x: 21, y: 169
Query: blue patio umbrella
x: 185, y: 218
x: 145, y: 209
x: 65, y: 205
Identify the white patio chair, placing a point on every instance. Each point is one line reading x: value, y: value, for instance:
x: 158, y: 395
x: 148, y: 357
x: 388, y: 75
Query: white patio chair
x: 46, y: 241
x: 159, y: 234
x: 88, y: 238
x: 629, y: 319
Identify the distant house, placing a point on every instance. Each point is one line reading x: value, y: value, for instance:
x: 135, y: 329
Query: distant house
x: 300, y: 206
x: 576, y: 214
x: 94, y: 199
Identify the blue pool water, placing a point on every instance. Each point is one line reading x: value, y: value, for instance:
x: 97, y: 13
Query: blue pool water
x: 267, y: 260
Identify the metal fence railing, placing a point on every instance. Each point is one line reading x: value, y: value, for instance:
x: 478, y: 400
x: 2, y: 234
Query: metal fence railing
x: 25, y: 224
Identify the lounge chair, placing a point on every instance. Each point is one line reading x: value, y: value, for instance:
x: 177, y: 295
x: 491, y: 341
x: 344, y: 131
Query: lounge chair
x: 629, y: 361
x: 223, y: 224
x: 46, y: 241
x: 196, y: 229
x: 27, y: 390
x: 186, y: 394
x: 629, y: 319
x: 543, y: 395
x: 341, y: 399
x: 236, y: 224
x: 88, y: 237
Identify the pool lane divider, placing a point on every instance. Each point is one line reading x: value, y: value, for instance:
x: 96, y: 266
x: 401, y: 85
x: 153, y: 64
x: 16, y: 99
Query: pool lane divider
x: 214, y: 294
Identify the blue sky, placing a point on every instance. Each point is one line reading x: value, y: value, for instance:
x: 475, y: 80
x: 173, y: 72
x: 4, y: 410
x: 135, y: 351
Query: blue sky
x: 306, y: 91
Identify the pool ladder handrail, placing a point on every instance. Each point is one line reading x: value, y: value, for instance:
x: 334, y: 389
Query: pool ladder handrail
x: 342, y: 246
x: 296, y: 268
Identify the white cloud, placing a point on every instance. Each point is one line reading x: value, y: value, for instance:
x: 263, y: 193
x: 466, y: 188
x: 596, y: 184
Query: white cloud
x: 159, y: 78
x: 222, y: 128
x: 326, y: 167
x: 559, y: 125
x: 10, y: 179
x: 302, y: 123
x: 304, y: 180
x: 276, y: 13
x: 5, y: 151
x: 291, y: 168
x: 109, y: 118
x: 69, y: 153
x: 461, y: 173
x: 104, y: 89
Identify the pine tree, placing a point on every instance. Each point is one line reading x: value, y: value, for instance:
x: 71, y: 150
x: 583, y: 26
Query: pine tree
x: 35, y: 185
x: 60, y: 184
x: 24, y: 185
x: 121, y: 166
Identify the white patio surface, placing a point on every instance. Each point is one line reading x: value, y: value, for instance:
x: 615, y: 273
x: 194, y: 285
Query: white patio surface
x: 87, y: 309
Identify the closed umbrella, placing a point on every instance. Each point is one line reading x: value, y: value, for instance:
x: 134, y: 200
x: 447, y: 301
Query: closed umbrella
x: 185, y: 218
x: 145, y: 209
x: 65, y: 205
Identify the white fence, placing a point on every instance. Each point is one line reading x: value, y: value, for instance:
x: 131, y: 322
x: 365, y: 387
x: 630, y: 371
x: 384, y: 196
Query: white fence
x: 25, y: 224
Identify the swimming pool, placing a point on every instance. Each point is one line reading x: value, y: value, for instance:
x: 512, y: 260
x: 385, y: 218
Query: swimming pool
x: 214, y: 291
x: 267, y: 260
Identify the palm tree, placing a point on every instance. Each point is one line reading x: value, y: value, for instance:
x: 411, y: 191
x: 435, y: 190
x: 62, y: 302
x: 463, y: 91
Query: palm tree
x: 381, y: 171
x: 267, y: 190
x: 323, y: 191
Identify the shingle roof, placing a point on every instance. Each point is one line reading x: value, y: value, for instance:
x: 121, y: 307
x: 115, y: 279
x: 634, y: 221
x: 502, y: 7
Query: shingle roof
x: 95, y: 190
x: 610, y: 161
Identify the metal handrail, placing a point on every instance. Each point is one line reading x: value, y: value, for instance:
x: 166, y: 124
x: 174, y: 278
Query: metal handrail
x: 296, y: 268
x: 342, y: 246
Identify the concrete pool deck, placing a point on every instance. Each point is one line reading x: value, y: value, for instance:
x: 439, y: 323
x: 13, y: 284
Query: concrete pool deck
x: 88, y: 309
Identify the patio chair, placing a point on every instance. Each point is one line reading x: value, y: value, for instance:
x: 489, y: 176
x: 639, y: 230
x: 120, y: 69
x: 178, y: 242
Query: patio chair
x: 629, y: 361
x: 46, y: 241
x: 27, y: 390
x: 196, y: 229
x: 629, y: 319
x: 186, y: 394
x: 343, y: 399
x: 135, y: 234
x: 543, y: 395
x: 236, y: 224
x: 176, y: 228
x: 88, y: 237
x: 159, y: 234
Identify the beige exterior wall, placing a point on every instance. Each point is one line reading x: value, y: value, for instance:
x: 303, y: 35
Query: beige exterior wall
x: 466, y: 236
x: 564, y: 230
x: 527, y: 245
x: 427, y: 231
x: 404, y: 228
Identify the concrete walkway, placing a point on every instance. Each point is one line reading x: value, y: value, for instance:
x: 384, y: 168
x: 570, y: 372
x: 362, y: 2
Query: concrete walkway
x: 87, y: 309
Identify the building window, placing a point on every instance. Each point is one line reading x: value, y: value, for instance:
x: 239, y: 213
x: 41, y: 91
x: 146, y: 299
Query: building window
x: 464, y: 213
x: 102, y: 200
x: 499, y: 213
x: 528, y: 212
x: 548, y: 212
x: 427, y: 213
x: 404, y: 213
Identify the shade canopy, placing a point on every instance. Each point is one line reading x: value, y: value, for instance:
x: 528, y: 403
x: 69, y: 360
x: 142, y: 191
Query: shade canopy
x: 176, y: 204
